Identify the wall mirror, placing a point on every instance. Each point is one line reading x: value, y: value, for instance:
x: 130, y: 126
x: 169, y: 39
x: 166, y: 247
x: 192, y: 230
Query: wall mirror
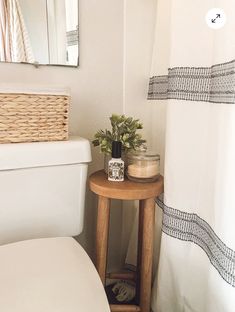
x: 40, y: 32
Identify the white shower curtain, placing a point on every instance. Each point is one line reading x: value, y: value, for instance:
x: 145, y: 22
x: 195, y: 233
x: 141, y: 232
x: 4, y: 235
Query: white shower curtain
x: 194, y: 73
x: 14, y: 40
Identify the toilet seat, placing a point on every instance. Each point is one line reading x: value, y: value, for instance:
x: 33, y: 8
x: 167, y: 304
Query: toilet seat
x: 49, y: 275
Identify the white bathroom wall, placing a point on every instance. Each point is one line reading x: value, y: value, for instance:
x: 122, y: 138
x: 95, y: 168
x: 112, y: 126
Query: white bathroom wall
x: 139, y: 31
x: 96, y: 87
x: 138, y: 47
x: 139, y: 38
x: 116, y: 39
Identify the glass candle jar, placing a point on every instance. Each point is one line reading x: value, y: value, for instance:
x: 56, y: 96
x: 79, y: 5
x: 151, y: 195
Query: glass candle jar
x: 143, y: 167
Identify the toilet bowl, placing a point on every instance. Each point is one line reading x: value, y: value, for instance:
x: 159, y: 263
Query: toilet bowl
x: 42, y: 195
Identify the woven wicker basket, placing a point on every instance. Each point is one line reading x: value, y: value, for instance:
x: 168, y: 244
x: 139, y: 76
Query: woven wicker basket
x: 33, y: 117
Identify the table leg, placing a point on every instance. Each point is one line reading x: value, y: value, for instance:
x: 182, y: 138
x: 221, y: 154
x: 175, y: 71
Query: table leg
x: 102, y: 232
x: 140, y: 240
x: 148, y: 215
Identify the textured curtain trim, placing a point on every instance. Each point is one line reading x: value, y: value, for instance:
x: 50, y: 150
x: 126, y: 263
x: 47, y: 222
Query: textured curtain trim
x: 215, y: 84
x: 190, y: 227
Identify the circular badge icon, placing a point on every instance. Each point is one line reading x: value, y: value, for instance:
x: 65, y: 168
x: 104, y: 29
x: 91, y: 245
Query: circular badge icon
x: 216, y: 18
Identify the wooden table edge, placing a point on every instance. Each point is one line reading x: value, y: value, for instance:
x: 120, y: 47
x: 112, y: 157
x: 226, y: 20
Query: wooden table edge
x: 126, y: 190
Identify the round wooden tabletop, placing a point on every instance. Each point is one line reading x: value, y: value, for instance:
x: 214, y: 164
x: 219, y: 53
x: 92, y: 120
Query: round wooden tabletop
x: 126, y: 190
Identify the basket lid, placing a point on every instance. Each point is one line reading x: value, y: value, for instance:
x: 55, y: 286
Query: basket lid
x: 41, y: 154
x: 33, y: 89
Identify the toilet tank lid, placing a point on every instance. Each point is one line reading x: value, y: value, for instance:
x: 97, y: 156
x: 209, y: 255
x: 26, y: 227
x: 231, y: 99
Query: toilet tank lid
x: 27, y: 155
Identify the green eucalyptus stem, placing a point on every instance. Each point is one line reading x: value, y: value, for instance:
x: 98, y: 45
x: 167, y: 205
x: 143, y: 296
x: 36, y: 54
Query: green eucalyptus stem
x: 124, y: 129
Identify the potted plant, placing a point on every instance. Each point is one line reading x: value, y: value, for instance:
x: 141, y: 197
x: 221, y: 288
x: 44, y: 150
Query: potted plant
x: 123, y: 129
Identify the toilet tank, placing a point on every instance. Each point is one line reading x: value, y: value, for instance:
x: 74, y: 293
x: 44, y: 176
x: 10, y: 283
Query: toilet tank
x: 42, y: 189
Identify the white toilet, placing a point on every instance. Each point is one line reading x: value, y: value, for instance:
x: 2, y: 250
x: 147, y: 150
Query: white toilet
x: 42, y: 194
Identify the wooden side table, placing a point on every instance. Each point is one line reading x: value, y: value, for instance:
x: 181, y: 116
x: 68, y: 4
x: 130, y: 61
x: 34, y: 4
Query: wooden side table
x: 127, y: 190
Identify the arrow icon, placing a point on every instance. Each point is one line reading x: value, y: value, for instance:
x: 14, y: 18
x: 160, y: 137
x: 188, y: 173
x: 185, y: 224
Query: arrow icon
x: 213, y: 20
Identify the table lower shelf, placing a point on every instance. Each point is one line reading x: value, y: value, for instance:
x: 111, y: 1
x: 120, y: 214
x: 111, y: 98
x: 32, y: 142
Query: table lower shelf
x: 124, y: 308
x: 125, y: 275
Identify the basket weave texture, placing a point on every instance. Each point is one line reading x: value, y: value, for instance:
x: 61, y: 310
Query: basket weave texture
x: 33, y: 117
